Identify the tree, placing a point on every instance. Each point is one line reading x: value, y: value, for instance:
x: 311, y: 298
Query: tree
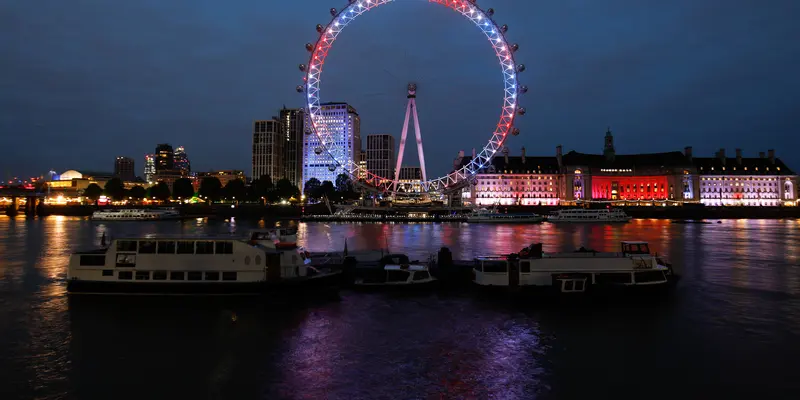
x: 285, y: 190
x: 211, y: 188
x: 182, y: 189
x: 311, y: 189
x: 137, y: 192
x: 115, y: 189
x: 160, y: 191
x: 344, y: 187
x: 326, y: 189
x: 93, y: 191
x: 234, y: 189
x: 260, y: 188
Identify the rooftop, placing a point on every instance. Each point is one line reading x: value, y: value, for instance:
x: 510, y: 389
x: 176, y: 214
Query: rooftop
x: 749, y: 166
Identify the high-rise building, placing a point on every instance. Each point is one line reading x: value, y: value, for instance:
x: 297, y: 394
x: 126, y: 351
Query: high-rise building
x: 165, y: 157
x: 123, y: 169
x: 268, y: 149
x: 182, y: 164
x: 293, y: 127
x: 410, y: 179
x: 380, y: 155
x: 344, y: 126
x: 149, y: 167
x: 362, y: 163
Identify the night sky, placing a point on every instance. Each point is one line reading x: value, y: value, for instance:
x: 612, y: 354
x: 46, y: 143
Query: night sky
x: 83, y: 81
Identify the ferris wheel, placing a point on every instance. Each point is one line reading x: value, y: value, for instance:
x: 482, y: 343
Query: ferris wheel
x: 320, y: 127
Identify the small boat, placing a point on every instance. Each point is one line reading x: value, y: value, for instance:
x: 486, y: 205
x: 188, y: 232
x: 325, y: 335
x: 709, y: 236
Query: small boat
x: 395, y: 271
x: 135, y: 214
x: 195, y: 265
x: 581, y: 271
x: 494, y: 216
x: 589, y: 215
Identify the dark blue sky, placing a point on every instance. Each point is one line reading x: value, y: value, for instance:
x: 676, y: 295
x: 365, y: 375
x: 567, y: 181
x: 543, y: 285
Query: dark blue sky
x: 83, y: 81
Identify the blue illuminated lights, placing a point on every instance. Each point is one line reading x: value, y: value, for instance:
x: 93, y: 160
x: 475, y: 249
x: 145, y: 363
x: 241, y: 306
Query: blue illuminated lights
x: 504, y: 52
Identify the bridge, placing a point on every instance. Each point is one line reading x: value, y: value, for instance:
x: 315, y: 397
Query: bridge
x: 32, y: 199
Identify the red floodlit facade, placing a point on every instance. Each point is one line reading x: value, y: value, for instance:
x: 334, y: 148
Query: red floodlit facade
x: 630, y: 187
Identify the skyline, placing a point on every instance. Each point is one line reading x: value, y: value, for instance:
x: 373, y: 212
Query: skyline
x: 682, y: 74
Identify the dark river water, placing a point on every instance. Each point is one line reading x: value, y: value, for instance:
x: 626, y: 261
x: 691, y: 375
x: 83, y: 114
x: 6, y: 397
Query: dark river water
x: 731, y: 329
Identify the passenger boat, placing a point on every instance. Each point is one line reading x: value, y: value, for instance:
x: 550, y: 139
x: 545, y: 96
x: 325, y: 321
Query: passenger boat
x: 394, y: 271
x: 589, y: 215
x: 494, y: 216
x: 135, y: 214
x: 199, y: 265
x: 582, y: 271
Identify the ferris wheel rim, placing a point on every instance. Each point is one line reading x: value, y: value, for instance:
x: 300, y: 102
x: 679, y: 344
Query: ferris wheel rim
x: 503, y: 50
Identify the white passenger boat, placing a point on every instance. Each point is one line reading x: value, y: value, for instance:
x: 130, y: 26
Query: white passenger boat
x: 494, y: 216
x: 395, y: 271
x: 577, y: 272
x: 199, y: 265
x: 588, y: 215
x: 135, y: 214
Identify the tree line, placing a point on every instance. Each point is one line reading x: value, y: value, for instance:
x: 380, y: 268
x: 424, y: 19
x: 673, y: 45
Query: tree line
x: 211, y: 188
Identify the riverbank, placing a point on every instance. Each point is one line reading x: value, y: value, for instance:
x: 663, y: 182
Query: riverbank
x: 257, y: 211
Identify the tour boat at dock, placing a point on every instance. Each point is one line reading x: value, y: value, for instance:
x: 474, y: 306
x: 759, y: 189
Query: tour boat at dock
x: 136, y: 214
x: 494, y: 216
x: 582, y: 271
x: 197, y: 265
x: 394, y: 271
x: 589, y: 215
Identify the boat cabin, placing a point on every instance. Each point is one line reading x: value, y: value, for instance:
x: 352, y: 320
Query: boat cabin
x: 395, y: 274
x: 635, y: 248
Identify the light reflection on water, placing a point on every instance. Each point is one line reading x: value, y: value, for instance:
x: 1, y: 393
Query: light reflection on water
x: 737, y: 313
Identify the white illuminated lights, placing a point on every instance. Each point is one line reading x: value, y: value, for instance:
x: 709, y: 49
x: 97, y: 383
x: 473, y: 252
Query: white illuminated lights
x: 503, y: 127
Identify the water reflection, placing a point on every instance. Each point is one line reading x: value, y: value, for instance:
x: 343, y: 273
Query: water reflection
x: 738, y: 306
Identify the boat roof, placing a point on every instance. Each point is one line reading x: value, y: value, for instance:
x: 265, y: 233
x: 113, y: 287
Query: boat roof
x: 633, y: 242
x: 178, y: 236
x: 412, y: 267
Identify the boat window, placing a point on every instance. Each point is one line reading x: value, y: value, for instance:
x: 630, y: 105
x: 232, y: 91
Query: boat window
x: 126, y: 260
x: 396, y: 276
x: 212, y: 276
x: 125, y: 275
x: 166, y: 247
x: 108, y: 272
x: 185, y: 247
x: 579, y: 285
x: 525, y: 266
x: 494, y: 266
x: 224, y: 247
x: 229, y: 276
x: 204, y: 248
x: 246, y: 260
x: 142, y: 275
x: 613, y: 278
x: 126, y: 245
x: 568, y: 285
x: 147, y: 247
x: 195, y: 276
x: 93, y: 260
x: 258, y: 260
x: 176, y: 276
x: 650, y: 276
x: 421, y: 275
x: 159, y: 275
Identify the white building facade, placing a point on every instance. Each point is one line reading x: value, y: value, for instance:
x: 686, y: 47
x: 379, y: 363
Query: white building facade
x: 344, y: 125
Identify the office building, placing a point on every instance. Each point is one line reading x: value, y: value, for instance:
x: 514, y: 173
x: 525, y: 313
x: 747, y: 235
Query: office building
x: 181, y: 163
x: 380, y: 155
x: 268, y: 149
x: 165, y: 157
x: 124, y: 169
x: 149, y: 167
x: 344, y: 126
x: 293, y: 129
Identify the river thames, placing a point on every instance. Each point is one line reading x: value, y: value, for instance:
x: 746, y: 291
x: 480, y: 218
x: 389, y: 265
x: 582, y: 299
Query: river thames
x: 731, y: 328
